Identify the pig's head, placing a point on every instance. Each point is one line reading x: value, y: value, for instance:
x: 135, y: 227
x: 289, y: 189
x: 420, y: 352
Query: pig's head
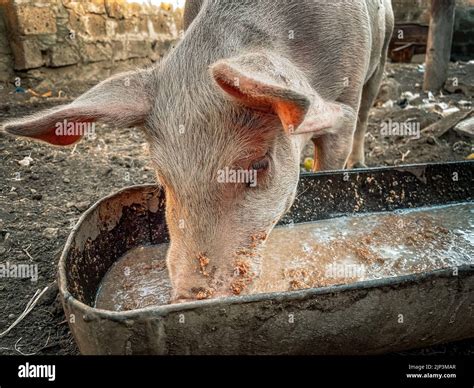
x: 225, y: 141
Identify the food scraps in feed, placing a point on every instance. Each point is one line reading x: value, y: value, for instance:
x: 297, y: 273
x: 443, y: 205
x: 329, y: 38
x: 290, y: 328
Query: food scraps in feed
x: 242, y: 268
x: 243, y: 277
x: 237, y: 286
x: 203, y: 263
x: 324, y: 253
x: 257, y: 239
x: 203, y: 293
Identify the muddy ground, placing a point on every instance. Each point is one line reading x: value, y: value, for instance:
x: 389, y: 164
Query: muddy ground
x: 40, y: 202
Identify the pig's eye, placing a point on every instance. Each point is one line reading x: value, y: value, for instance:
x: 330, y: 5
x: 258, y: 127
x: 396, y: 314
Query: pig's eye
x: 262, y: 164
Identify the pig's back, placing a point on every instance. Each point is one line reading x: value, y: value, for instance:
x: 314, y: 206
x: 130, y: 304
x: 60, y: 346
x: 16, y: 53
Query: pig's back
x: 336, y: 43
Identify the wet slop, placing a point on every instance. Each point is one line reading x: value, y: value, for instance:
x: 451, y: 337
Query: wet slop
x: 138, y: 279
x: 317, y: 254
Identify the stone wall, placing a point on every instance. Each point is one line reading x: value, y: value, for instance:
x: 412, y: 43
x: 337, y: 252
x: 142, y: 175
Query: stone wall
x: 62, y: 41
x: 418, y: 11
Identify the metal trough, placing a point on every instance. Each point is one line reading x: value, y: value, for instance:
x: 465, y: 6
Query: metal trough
x: 360, y: 318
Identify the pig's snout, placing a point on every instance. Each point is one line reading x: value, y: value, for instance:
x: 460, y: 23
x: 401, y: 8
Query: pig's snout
x: 204, y: 276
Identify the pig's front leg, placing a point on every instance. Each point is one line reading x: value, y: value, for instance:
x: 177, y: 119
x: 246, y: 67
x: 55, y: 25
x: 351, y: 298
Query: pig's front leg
x: 332, y: 150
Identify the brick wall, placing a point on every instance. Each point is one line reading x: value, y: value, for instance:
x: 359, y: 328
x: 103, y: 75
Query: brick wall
x: 62, y: 40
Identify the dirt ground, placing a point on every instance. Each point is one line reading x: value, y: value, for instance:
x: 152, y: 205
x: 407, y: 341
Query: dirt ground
x: 43, y: 196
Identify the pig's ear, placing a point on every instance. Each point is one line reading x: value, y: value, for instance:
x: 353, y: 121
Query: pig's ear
x: 122, y: 100
x: 254, y: 81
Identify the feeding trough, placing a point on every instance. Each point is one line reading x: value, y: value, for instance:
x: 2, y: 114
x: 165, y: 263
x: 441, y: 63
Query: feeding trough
x: 379, y: 315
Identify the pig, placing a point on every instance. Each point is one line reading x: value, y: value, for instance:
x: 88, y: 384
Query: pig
x: 248, y: 85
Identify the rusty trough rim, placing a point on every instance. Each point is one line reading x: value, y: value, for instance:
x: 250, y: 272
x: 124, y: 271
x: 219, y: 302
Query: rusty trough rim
x: 93, y: 313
